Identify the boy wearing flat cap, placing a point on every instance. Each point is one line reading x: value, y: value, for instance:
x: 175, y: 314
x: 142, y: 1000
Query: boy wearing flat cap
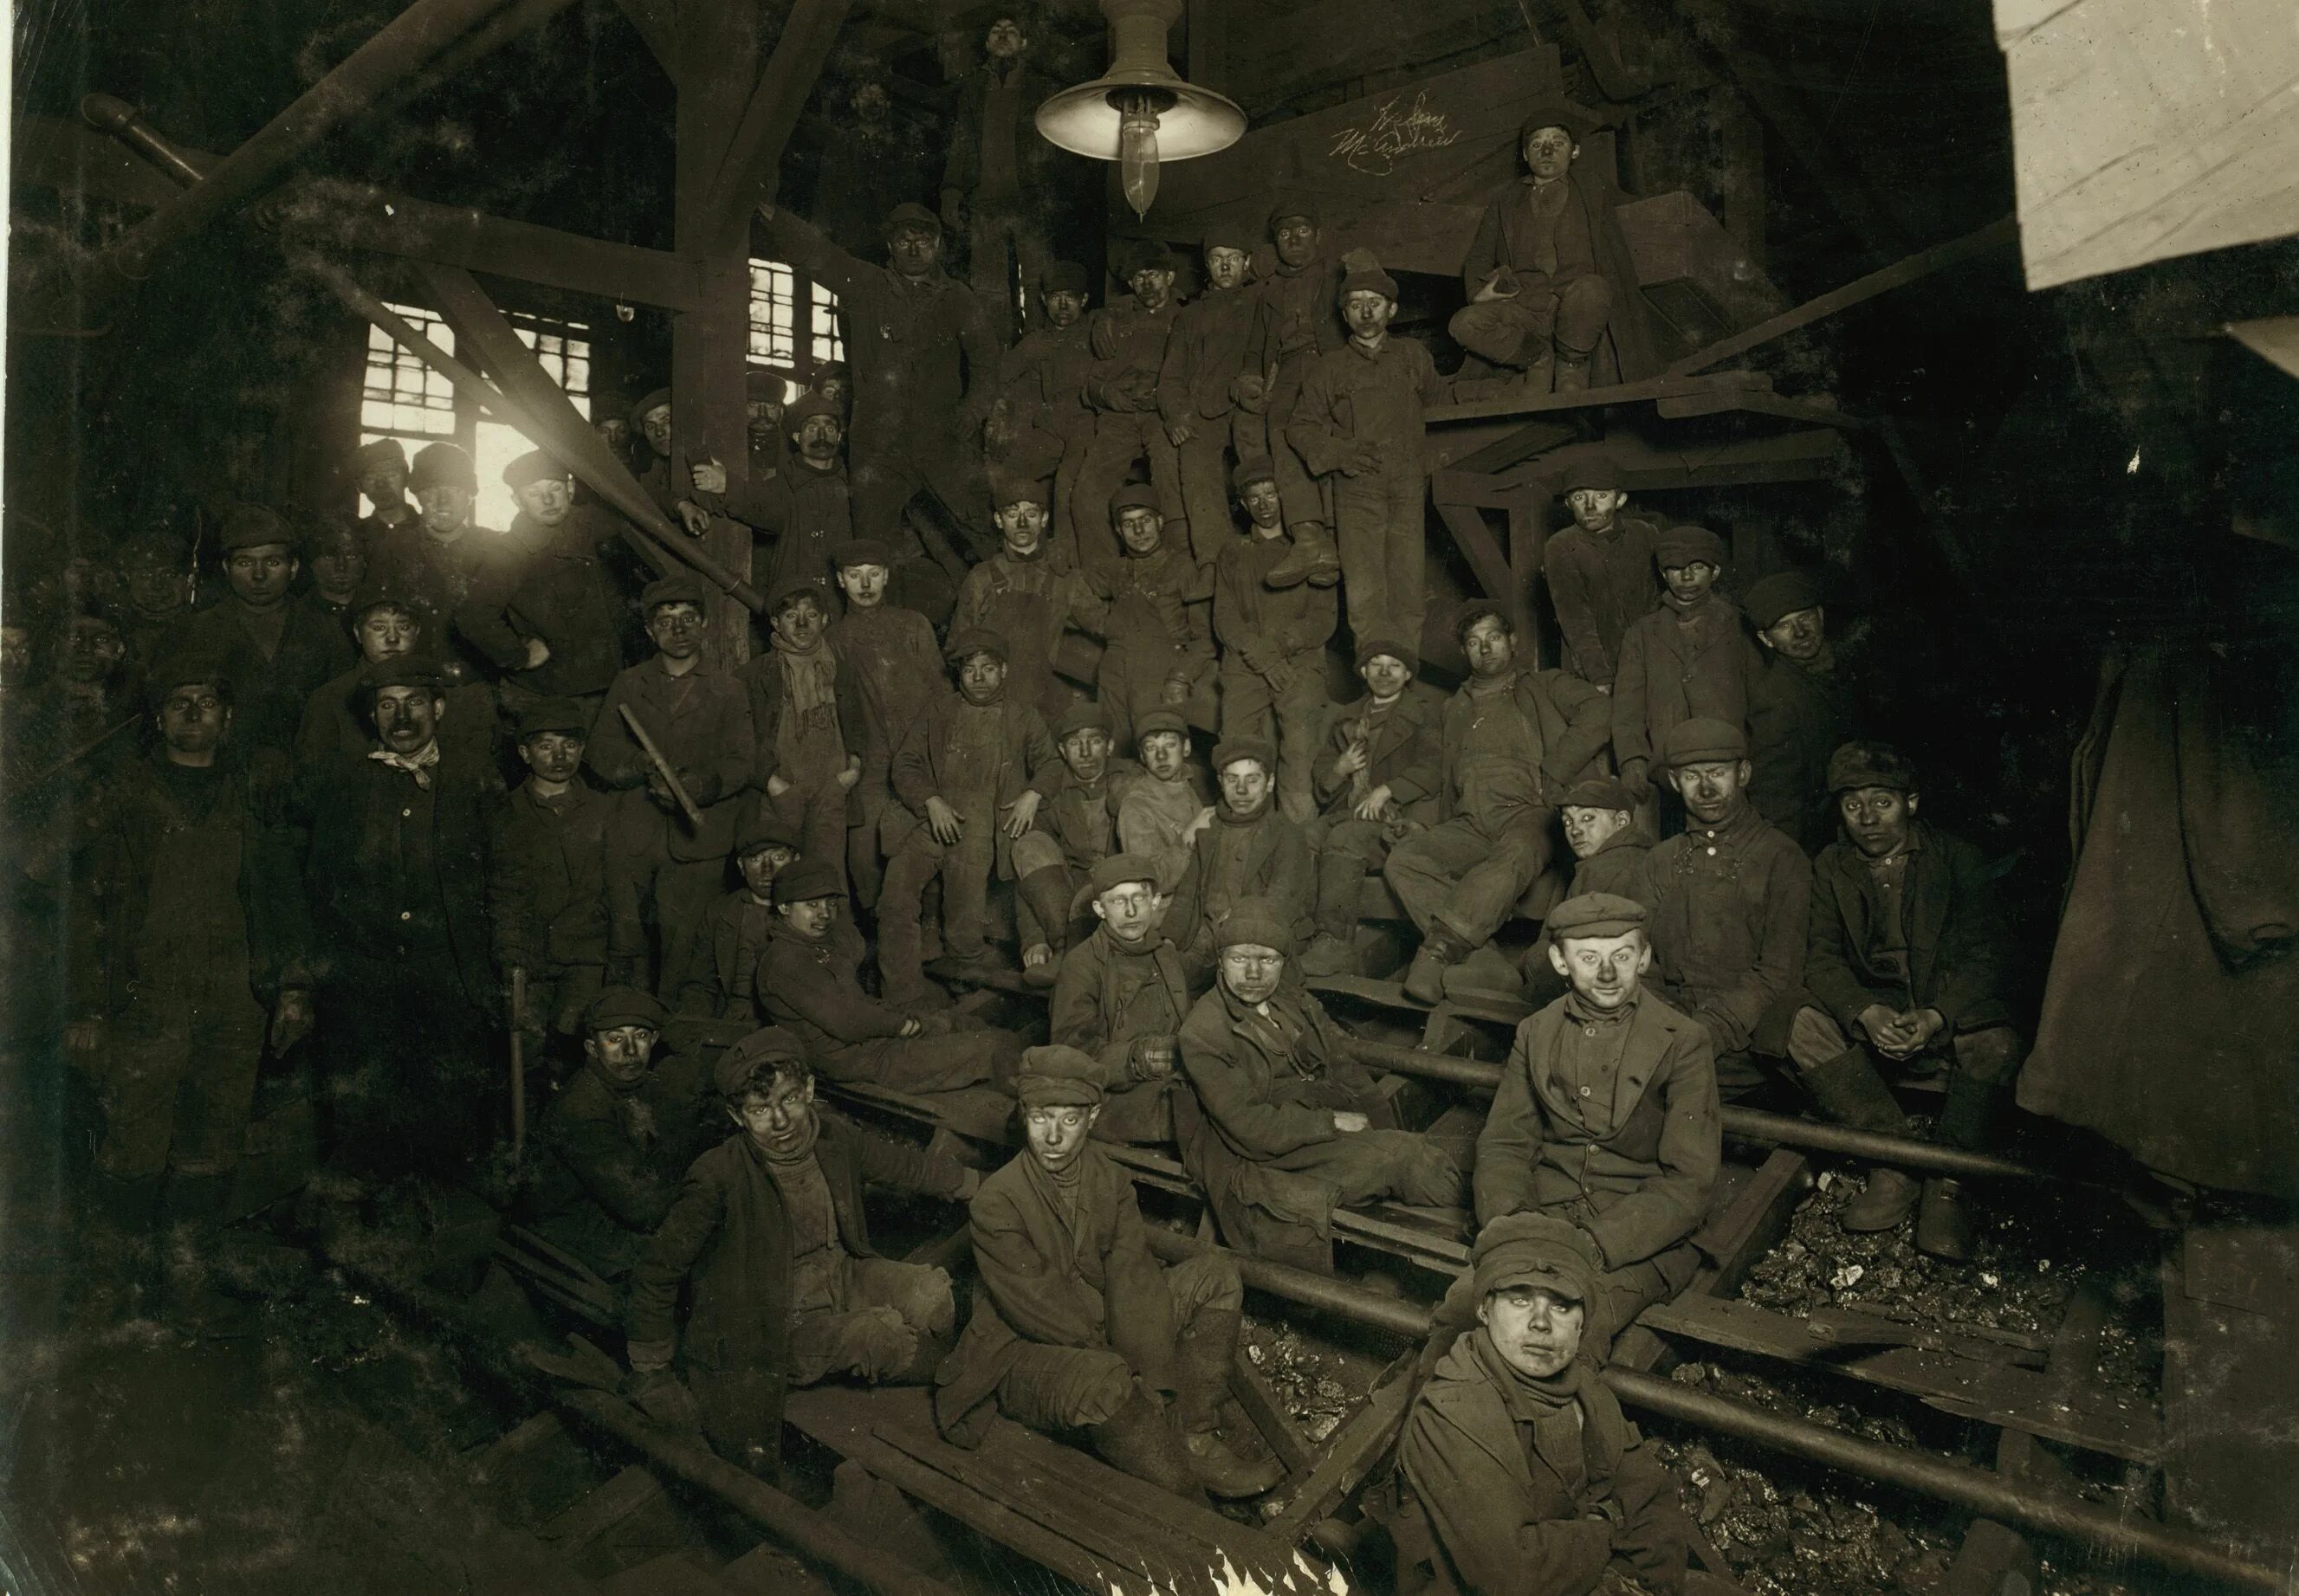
x: 379, y: 472
x: 1613, y: 854
x: 1282, y: 1125
x: 438, y: 555
x: 1376, y: 784
x: 1800, y: 708
x: 699, y: 719
x: 1686, y: 660
x: 769, y: 1241
x: 1153, y: 611
x: 1732, y: 895
x: 809, y: 980
x: 385, y: 624
x: 1599, y: 570
x: 1164, y: 809
x: 1520, y: 1474
x: 1121, y: 997
x: 544, y: 609
x: 617, y: 1139
x: 1041, y: 414
x: 547, y: 871
x: 1075, y: 829
x: 808, y: 715
x: 970, y: 776
x: 804, y: 509
x: 1357, y: 426
x: 1273, y: 650
x: 890, y: 653
x: 1076, y: 1326
x: 1208, y: 401
x: 766, y: 845
x: 1908, y: 958
x: 1028, y: 591
x: 277, y: 651
x: 1249, y: 851
x: 1515, y: 740
x: 1128, y: 340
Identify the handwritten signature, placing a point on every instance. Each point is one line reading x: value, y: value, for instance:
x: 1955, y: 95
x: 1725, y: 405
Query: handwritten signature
x: 1375, y: 148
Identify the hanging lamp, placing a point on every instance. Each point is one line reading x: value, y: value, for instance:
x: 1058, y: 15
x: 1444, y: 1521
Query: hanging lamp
x: 1140, y: 113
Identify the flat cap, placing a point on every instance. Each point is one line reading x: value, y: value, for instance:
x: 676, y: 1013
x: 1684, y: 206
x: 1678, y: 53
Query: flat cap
x: 1084, y: 716
x: 1552, y: 113
x: 967, y: 642
x: 1774, y: 598
x: 648, y: 403
x: 1254, y: 922
x: 1377, y: 644
x: 1363, y: 280
x: 1682, y: 545
x: 185, y: 667
x: 624, y: 1005
x: 807, y: 406
x: 910, y: 213
x: 533, y: 466
x: 254, y: 527
x: 1302, y: 205
x: 763, y: 826
x: 1115, y: 871
x: 329, y: 529
x: 1251, y: 470
x: 1059, y: 1077
x: 734, y: 1069
x: 1702, y: 740
x: 849, y: 552
x: 1534, y: 1249
x: 1867, y: 764
x: 153, y: 548
x: 789, y: 590
x: 443, y: 466
x: 808, y: 879
x: 379, y: 591
x: 759, y: 383
x: 1229, y: 750
x: 1135, y: 495
x: 1009, y: 486
x: 1596, y: 914
x: 1227, y: 236
x: 1160, y: 720
x: 1476, y: 609
x: 680, y: 587
x: 827, y: 371
x: 1598, y: 792
x: 402, y: 670
x: 553, y: 715
x: 1145, y: 254
x: 1591, y: 471
x: 1064, y: 277
x: 381, y: 451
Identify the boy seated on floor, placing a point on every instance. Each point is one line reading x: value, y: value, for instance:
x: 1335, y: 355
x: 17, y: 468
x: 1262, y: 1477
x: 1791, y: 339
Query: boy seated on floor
x: 770, y: 1242
x: 1077, y: 1325
x: 810, y: 981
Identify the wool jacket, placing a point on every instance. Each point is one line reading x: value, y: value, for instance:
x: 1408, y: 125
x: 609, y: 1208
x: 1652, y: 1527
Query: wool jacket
x: 1728, y: 931
x: 1026, y: 762
x: 1600, y: 584
x: 1669, y: 673
x: 1085, y: 1012
x: 1567, y: 715
x: 550, y: 584
x: 1211, y: 341
x: 813, y: 988
x: 1959, y: 942
x: 1405, y: 754
x: 547, y: 877
x: 701, y: 724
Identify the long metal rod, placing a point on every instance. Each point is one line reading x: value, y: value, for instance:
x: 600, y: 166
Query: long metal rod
x: 415, y: 37
x: 1960, y: 1484
x: 1744, y: 1124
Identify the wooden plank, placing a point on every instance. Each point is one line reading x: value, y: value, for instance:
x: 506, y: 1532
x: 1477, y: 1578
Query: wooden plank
x: 622, y: 1497
x: 1807, y: 455
x: 746, y: 174
x: 1357, y: 1449
x: 1528, y: 538
x: 1761, y: 404
x: 1913, y: 269
x: 1253, y: 1395
x: 657, y: 24
x: 1477, y: 541
x: 1500, y: 453
x: 1637, y: 393
x: 1753, y: 1224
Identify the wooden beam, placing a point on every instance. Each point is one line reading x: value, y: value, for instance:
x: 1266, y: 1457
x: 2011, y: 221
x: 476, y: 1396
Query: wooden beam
x: 1527, y: 537
x: 747, y: 172
x: 1996, y: 235
x: 656, y: 22
x: 1763, y: 404
x: 1517, y: 402
x: 1477, y: 543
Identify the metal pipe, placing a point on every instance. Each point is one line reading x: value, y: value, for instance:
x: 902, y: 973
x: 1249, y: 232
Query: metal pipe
x: 1976, y: 1490
x: 405, y: 45
x: 1744, y: 1124
x: 109, y: 113
x: 791, y: 1522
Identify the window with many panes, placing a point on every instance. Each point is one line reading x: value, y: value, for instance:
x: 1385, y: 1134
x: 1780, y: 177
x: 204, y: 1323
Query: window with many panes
x: 793, y: 323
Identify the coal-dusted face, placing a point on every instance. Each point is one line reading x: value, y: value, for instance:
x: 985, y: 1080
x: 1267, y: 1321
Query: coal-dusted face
x: 407, y: 718
x: 385, y: 632
x: 259, y: 576
x: 1798, y: 635
x: 547, y: 500
x: 554, y: 755
x: 1536, y: 1331
x: 1549, y: 153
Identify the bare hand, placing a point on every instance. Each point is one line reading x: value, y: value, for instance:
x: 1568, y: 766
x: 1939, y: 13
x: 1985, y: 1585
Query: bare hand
x: 85, y: 1036
x: 1020, y: 813
x: 776, y: 786
x: 1175, y: 693
x: 1180, y: 433
x: 852, y: 773
x: 538, y: 654
x: 947, y: 824
x: 1353, y: 758
x: 1251, y: 391
x: 1880, y: 1021
x: 1348, y: 1123
x: 709, y: 477
x: 658, y: 790
x: 1205, y: 818
x: 693, y: 517
x: 1501, y: 284
x: 1375, y: 805
x: 1035, y: 955
x: 291, y: 1019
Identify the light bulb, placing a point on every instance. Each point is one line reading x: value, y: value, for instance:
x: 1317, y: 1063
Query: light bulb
x: 1137, y: 154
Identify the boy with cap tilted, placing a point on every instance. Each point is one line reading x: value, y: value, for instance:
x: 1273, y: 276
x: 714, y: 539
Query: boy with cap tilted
x: 1208, y: 401
x: 1164, y: 809
x: 1273, y: 647
x: 1376, y: 786
x: 805, y: 508
x: 437, y: 556
x: 547, y: 871
x: 769, y: 1240
x: 1282, y: 1125
x: 808, y: 715
x: 1599, y: 570
x: 1121, y: 997
x: 1152, y: 608
x: 1519, y: 1471
x: 1247, y: 850
x: 970, y: 777
x: 727, y: 988
x: 1078, y: 1326
x: 810, y: 981
x: 1076, y: 828
x: 1357, y: 426
x: 1128, y: 340
x: 1908, y: 957
x: 699, y: 719
x: 889, y: 652
x: 1800, y: 708
x: 1686, y: 660
x: 544, y: 609
x: 1026, y: 592
x: 276, y: 651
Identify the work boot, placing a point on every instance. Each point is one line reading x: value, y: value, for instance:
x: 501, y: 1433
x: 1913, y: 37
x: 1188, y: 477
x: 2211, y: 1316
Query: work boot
x: 1047, y: 892
x: 1848, y: 1090
x: 1312, y: 560
x: 1139, y: 1440
x: 1326, y: 954
x: 1971, y: 1117
x: 1944, y: 1221
x: 1202, y: 1356
x: 1425, y: 981
x: 1572, y: 372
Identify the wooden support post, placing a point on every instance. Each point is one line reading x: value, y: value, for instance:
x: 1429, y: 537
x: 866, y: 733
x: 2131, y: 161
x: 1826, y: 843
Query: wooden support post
x: 1528, y: 536
x: 747, y: 172
x: 1480, y: 548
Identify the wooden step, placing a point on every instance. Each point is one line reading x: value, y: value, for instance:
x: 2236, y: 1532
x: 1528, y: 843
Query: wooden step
x: 533, y: 1473
x: 673, y: 1574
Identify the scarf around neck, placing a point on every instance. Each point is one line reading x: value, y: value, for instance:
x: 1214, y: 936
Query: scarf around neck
x: 808, y: 673
x: 416, y: 764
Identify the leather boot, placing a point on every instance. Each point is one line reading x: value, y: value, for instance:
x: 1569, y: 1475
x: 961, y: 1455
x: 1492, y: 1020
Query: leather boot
x: 1139, y: 1440
x: 1572, y: 372
x: 1326, y: 954
x: 1971, y: 1117
x: 1202, y: 1356
x: 1943, y: 1222
x: 1313, y: 561
x: 1848, y: 1090
x: 1425, y: 981
x: 1047, y: 892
